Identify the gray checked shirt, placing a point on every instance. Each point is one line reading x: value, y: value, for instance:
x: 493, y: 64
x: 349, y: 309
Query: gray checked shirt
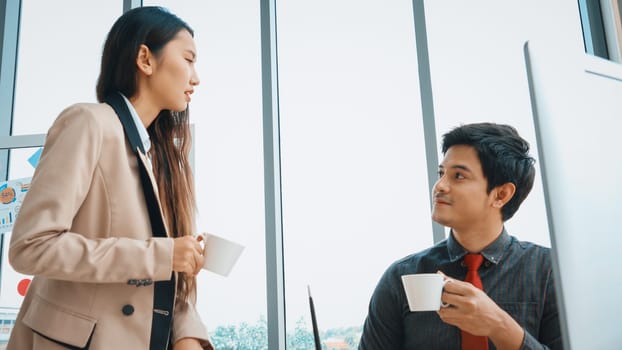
x: 516, y: 275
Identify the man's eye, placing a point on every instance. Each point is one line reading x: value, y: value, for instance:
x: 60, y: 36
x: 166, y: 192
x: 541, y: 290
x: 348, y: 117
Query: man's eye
x: 441, y: 173
x: 459, y: 176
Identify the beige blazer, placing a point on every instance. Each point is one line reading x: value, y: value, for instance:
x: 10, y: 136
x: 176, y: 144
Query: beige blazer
x: 84, y: 232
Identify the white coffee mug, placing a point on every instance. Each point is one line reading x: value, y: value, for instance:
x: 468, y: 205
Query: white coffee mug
x: 220, y: 254
x: 423, y: 291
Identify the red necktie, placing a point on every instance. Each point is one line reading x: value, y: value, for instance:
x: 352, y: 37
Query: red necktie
x: 470, y: 341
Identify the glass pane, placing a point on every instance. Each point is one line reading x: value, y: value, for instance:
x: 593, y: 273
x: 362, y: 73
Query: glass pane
x: 478, y: 74
x: 13, y: 285
x: 355, y: 192
x: 23, y: 162
x: 226, y: 112
x: 59, y: 56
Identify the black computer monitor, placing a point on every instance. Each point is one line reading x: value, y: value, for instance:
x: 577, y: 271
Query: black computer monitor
x: 577, y: 108
x: 316, y: 331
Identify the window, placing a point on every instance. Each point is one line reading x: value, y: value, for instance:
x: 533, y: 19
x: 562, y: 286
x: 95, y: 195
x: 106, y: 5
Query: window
x: 355, y: 194
x: 602, y: 28
x: 59, y: 55
x: 476, y: 79
x: 226, y: 113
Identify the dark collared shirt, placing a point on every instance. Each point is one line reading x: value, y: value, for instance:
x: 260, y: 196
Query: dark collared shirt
x: 516, y: 275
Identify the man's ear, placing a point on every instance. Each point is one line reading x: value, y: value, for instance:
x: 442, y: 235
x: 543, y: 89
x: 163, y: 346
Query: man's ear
x: 144, y: 60
x: 503, y: 194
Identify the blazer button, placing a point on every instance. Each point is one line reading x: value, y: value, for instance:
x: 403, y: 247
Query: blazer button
x: 127, y: 309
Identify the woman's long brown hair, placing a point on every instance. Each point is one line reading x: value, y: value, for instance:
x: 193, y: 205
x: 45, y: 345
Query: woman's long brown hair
x: 170, y: 132
x: 171, y: 142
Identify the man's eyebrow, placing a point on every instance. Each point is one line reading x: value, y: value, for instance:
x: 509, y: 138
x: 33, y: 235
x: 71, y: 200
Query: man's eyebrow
x: 463, y: 167
x: 457, y: 166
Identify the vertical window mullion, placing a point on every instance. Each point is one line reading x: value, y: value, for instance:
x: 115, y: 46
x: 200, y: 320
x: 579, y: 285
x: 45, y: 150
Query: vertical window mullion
x: 427, y: 106
x: 10, y: 13
x: 275, y: 279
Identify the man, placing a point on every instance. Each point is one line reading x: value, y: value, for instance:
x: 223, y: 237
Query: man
x: 485, y: 175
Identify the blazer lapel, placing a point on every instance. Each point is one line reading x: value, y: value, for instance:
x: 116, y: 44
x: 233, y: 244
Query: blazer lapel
x: 154, y: 186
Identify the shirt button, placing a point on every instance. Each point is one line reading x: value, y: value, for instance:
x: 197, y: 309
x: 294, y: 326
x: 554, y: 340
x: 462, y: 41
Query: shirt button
x: 127, y: 309
x: 487, y: 263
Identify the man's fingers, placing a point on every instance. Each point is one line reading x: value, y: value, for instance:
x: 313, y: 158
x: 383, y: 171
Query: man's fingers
x: 455, y: 300
x: 457, y: 287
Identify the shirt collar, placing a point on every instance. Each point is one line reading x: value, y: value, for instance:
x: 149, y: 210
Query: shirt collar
x: 493, y: 252
x: 142, y: 131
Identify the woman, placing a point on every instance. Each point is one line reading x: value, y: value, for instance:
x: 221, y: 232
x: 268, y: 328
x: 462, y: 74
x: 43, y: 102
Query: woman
x: 107, y: 226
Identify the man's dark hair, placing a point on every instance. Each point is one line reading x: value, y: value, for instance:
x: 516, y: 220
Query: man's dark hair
x: 504, y: 156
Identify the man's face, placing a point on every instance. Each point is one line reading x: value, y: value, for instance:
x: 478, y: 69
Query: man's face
x: 460, y: 198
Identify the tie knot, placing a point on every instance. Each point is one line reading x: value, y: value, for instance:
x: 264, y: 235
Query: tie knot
x: 473, y: 261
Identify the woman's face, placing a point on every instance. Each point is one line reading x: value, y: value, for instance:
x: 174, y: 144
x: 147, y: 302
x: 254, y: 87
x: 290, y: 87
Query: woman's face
x: 174, y: 76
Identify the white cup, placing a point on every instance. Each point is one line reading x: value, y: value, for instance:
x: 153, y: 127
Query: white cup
x: 423, y: 291
x: 220, y: 254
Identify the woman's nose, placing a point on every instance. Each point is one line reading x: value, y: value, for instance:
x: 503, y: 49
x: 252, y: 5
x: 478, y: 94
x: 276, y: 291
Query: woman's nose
x: 194, y: 79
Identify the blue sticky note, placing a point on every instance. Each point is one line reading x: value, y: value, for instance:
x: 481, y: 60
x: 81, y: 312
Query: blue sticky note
x: 34, y: 159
